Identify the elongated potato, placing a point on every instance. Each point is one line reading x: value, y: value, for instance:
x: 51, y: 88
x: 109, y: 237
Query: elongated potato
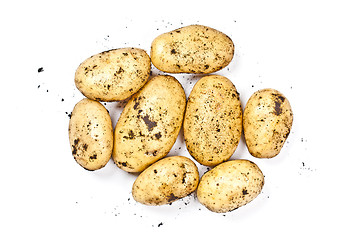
x: 213, y: 120
x: 149, y: 124
x: 230, y: 185
x: 166, y: 181
x: 267, y: 121
x: 192, y: 49
x: 113, y: 75
x: 91, y: 134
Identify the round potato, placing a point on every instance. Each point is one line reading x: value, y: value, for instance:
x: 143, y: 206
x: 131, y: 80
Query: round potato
x: 91, y: 134
x: 149, y: 124
x: 113, y: 75
x: 230, y: 185
x: 267, y: 122
x: 192, y: 49
x: 213, y: 120
x: 166, y: 181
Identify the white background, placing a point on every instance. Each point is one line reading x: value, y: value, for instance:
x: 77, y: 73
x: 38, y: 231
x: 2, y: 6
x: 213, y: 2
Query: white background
x: 308, y: 50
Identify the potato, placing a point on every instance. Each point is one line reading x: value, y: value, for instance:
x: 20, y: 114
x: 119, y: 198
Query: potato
x: 113, y: 75
x: 166, y: 181
x: 230, y: 185
x: 90, y: 134
x: 192, y: 49
x: 267, y: 123
x: 213, y: 120
x: 149, y: 124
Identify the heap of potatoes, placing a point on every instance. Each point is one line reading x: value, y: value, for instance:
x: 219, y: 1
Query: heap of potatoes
x: 148, y: 127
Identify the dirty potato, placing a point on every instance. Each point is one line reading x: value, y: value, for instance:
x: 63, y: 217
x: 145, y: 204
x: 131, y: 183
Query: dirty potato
x: 213, y: 120
x: 149, y: 124
x: 230, y: 185
x: 267, y: 122
x: 113, y: 75
x: 90, y: 134
x: 166, y: 181
x: 192, y: 49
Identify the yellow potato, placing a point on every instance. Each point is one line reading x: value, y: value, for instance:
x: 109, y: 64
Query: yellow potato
x: 230, y: 185
x: 213, y: 120
x: 166, y: 181
x: 149, y: 125
x: 113, y: 75
x: 192, y: 49
x: 90, y: 134
x: 267, y: 122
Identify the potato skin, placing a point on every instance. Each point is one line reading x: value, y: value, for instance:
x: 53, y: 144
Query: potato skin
x: 149, y: 124
x: 113, y: 75
x: 90, y: 134
x: 192, y: 49
x: 213, y: 120
x: 166, y: 181
x: 267, y: 123
x: 230, y: 185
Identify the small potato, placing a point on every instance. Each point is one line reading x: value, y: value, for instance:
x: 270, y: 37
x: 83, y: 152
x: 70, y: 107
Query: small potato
x: 230, y: 185
x: 113, y: 75
x: 149, y: 124
x: 267, y: 123
x: 166, y: 181
x: 192, y: 49
x: 90, y: 134
x: 213, y: 120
